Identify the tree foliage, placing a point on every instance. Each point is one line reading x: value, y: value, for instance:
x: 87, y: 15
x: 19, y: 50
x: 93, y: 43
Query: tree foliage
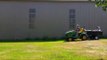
x: 101, y: 3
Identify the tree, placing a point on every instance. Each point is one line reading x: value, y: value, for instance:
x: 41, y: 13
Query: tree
x: 101, y: 3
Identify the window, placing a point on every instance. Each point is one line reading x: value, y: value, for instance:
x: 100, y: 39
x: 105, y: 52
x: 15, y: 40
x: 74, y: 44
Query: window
x: 72, y: 20
x: 32, y: 15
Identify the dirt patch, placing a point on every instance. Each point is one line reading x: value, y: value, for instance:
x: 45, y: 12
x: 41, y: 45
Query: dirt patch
x: 90, y: 48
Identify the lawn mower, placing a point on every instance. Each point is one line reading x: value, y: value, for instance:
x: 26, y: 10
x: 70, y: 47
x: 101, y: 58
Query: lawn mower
x: 87, y: 34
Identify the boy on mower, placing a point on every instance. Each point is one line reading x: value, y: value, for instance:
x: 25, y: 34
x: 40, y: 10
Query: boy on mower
x: 79, y: 29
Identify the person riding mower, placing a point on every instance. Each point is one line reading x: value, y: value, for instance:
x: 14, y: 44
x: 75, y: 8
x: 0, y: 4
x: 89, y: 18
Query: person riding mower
x: 83, y: 34
x: 74, y: 34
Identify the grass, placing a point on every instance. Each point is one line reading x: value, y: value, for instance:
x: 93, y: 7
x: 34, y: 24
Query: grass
x: 54, y: 50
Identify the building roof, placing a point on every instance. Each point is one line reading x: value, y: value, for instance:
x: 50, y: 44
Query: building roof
x: 51, y: 0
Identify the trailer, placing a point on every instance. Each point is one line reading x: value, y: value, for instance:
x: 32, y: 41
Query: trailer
x: 94, y: 34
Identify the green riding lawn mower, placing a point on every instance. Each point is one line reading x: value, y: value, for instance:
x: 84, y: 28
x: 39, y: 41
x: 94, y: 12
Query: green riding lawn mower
x: 87, y: 34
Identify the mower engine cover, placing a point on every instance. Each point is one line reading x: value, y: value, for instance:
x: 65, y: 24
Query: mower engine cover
x: 71, y: 34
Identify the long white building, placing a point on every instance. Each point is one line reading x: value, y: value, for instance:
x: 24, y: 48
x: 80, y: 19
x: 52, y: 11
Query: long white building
x: 21, y: 19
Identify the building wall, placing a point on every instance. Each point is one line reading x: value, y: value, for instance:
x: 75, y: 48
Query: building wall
x: 51, y: 18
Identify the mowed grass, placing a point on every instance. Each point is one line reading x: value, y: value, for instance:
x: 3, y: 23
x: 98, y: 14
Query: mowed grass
x: 54, y: 50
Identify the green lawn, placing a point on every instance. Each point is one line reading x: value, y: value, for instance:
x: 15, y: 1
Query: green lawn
x: 54, y: 50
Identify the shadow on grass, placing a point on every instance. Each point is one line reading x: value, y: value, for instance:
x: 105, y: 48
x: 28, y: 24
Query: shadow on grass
x: 32, y: 40
x: 43, y: 40
x: 79, y: 40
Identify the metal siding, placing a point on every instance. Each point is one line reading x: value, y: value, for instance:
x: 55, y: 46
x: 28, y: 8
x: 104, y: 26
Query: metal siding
x: 52, y: 19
